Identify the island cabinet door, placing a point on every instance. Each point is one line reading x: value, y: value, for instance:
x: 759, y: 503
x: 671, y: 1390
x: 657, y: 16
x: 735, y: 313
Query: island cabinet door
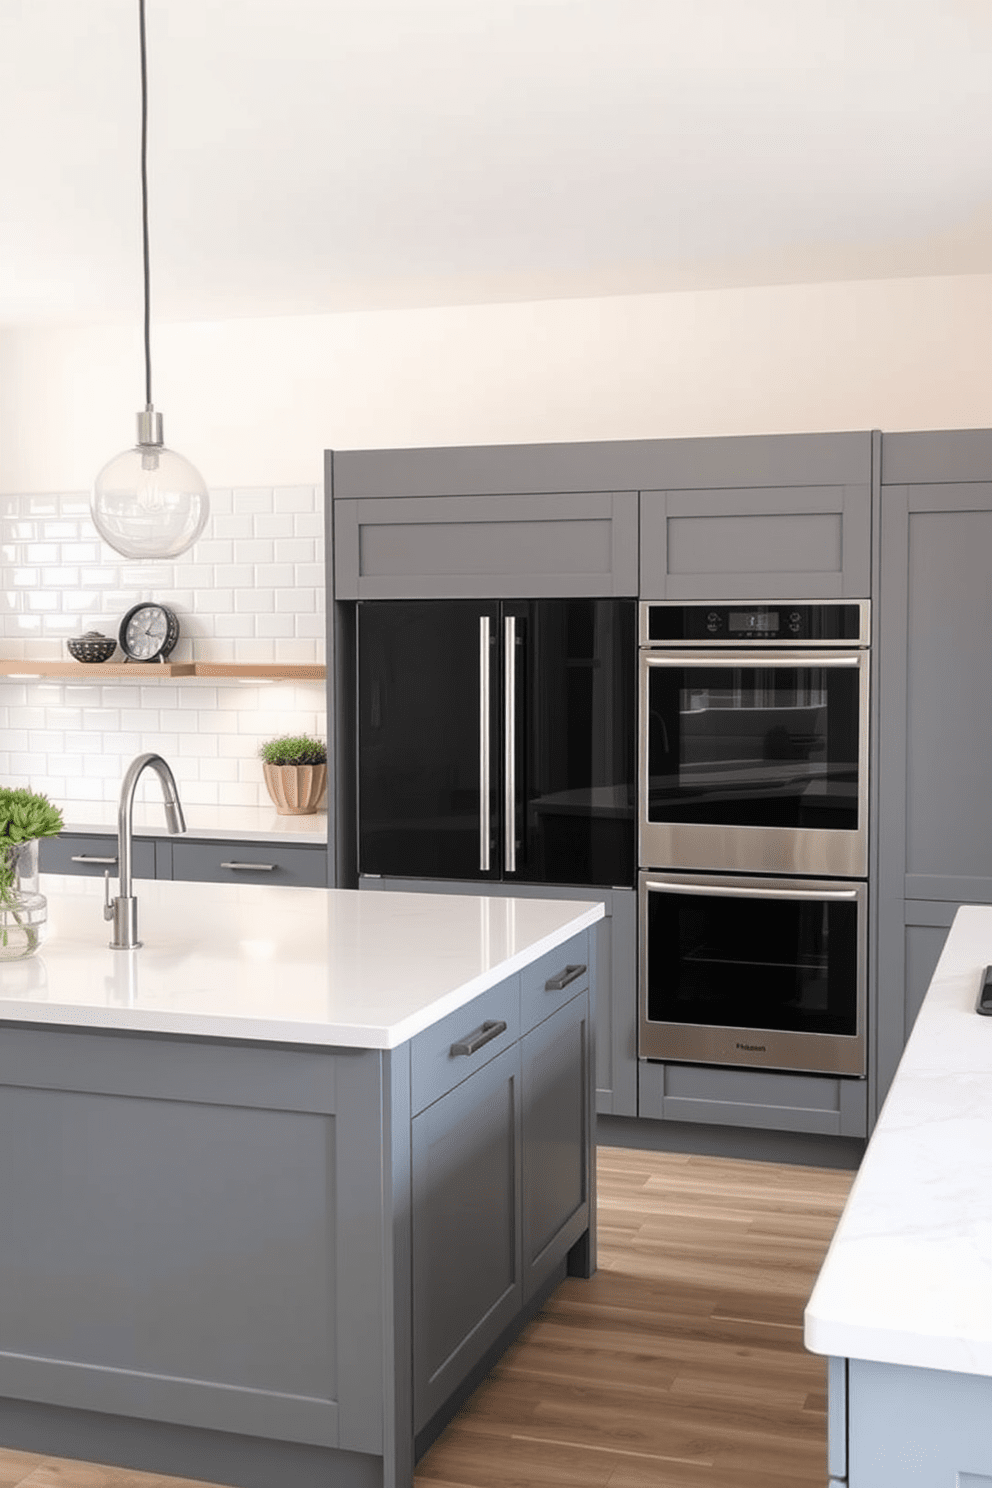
x: 466, y: 1228
x: 556, y: 1178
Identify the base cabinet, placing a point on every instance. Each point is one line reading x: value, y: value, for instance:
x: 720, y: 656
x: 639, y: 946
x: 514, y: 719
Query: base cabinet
x: 501, y: 1188
x: 895, y: 1426
x: 465, y: 1158
x: 767, y: 1099
x: 257, y: 1264
x: 189, y: 860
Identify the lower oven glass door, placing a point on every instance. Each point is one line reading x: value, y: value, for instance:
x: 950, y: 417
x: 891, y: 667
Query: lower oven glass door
x: 762, y: 972
x: 754, y: 763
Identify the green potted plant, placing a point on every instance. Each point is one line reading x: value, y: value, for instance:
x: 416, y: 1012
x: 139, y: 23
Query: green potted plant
x: 295, y: 770
x: 24, y: 818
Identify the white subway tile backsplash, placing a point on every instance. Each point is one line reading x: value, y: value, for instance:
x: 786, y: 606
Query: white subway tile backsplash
x: 277, y: 626
x: 254, y: 601
x: 310, y: 574
x: 234, y: 576
x: 294, y: 601
x: 253, y: 499
x: 295, y: 549
x: 251, y: 590
x: 269, y: 524
x: 274, y: 576
x: 293, y: 499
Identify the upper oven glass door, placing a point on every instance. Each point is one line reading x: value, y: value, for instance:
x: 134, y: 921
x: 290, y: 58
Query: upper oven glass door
x: 754, y: 761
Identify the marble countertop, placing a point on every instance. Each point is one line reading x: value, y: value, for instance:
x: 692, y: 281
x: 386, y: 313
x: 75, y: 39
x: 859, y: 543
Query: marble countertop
x: 247, y: 961
x: 217, y: 823
x: 908, y: 1276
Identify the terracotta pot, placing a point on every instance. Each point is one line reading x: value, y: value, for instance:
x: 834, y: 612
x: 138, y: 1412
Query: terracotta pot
x: 296, y: 789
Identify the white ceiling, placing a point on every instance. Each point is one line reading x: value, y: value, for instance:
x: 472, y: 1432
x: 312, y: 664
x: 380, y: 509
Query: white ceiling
x: 309, y: 156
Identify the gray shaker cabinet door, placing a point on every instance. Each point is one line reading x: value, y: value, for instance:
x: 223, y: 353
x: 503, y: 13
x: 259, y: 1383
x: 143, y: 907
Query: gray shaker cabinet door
x: 554, y: 1070
x: 799, y: 542
x: 466, y: 1228
x: 935, y: 726
x: 546, y: 545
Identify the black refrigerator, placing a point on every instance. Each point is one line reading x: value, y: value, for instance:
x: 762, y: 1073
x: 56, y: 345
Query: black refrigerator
x: 496, y: 740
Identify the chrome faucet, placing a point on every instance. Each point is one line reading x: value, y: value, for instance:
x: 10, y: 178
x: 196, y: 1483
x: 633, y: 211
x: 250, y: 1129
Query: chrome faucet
x: 124, y: 909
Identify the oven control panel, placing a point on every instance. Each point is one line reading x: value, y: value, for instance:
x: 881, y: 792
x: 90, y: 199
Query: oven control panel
x: 840, y: 622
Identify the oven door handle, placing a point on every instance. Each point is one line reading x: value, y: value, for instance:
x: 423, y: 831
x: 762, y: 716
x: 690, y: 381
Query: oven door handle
x: 755, y: 893
x: 752, y: 658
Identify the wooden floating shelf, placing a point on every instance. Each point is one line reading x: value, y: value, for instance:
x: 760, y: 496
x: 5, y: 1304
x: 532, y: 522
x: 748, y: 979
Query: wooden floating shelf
x: 265, y: 671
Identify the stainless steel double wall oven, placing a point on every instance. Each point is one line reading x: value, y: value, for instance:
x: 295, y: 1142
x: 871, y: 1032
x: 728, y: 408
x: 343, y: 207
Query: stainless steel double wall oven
x: 753, y: 833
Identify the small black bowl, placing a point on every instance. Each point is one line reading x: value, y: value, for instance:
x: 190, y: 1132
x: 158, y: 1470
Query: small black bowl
x: 92, y: 647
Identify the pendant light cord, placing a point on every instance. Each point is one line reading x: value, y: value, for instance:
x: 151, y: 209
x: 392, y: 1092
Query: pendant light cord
x: 144, y: 203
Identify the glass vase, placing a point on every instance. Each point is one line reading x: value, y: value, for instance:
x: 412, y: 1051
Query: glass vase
x: 23, y: 910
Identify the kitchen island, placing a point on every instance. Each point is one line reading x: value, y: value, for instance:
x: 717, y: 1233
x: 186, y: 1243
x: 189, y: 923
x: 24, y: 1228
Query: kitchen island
x: 903, y: 1303
x: 280, y: 1185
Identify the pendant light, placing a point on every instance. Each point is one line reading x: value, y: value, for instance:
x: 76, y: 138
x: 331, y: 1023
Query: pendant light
x: 149, y: 502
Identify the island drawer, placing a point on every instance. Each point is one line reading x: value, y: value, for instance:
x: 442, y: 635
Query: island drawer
x: 93, y: 856
x: 456, y: 1047
x: 555, y: 979
x: 250, y: 862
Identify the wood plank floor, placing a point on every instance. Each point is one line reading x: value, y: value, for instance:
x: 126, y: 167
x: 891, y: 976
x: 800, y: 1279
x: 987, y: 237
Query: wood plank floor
x: 679, y: 1365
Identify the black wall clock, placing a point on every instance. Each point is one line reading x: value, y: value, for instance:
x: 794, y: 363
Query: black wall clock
x: 148, y: 632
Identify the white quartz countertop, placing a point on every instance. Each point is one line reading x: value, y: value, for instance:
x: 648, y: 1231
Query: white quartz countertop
x: 217, y: 823
x: 908, y: 1276
x: 247, y: 961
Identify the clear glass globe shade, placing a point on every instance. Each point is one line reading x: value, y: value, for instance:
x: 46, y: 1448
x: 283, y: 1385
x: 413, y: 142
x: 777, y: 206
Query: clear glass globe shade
x: 149, y: 502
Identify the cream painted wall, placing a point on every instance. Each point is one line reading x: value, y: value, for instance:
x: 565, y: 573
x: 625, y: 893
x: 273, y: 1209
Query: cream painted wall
x: 256, y: 402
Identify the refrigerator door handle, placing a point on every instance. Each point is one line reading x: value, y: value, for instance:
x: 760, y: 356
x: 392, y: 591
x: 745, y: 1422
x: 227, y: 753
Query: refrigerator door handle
x: 509, y: 756
x: 484, y: 761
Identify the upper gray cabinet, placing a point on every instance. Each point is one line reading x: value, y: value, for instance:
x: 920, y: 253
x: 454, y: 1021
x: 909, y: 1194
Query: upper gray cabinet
x: 749, y: 517
x: 760, y: 518
x: 538, y: 545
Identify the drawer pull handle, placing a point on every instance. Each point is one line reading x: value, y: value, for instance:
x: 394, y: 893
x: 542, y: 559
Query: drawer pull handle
x: 92, y: 858
x: 251, y: 867
x: 555, y: 983
x: 492, y: 1028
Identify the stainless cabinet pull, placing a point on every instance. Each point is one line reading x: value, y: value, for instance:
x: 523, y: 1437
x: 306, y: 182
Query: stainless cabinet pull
x: 492, y: 1028
x: 510, y: 763
x: 92, y: 858
x: 484, y: 744
x: 555, y: 983
x: 251, y: 867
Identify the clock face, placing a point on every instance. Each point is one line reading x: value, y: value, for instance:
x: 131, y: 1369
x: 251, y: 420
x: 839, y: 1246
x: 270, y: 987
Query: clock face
x: 148, y: 632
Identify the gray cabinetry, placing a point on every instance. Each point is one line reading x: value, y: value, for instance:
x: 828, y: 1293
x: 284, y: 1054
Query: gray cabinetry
x: 92, y: 856
x: 784, y: 516
x: 935, y: 724
x: 249, y: 862
x: 465, y: 1156
x: 896, y: 1426
x: 299, y: 865
x: 263, y: 1264
x: 556, y: 1179
x: 501, y: 1189
x: 795, y: 542
x: 613, y: 978
x: 543, y: 545
x: 766, y: 1099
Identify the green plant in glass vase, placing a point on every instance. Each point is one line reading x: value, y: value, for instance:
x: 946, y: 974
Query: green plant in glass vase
x: 25, y: 816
